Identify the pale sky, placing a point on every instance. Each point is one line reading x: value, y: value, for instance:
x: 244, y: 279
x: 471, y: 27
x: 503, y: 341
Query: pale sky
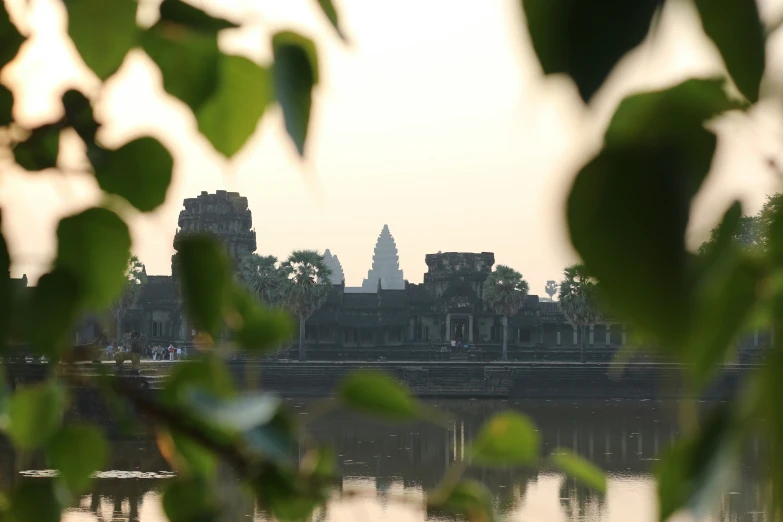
x: 435, y: 120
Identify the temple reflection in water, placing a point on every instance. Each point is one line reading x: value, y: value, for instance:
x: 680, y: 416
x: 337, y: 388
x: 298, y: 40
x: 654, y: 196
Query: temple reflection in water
x: 394, y: 463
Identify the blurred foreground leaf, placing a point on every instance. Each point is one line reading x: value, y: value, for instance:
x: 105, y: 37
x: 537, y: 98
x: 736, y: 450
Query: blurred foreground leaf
x: 697, y: 470
x: 586, y: 39
x: 6, y: 291
x: 190, y: 500
x: 259, y: 328
x: 139, y: 171
x: 188, y: 61
x: 54, y: 308
x: 36, y: 413
x: 103, y: 32
x: 577, y: 467
x: 467, y: 498
x: 507, y: 439
x: 192, y: 17
x: 638, y: 192
x: 78, y: 451
x: 10, y: 38
x: 6, y: 106
x: 205, y: 275
x: 40, y: 150
x: 374, y: 392
x: 79, y: 115
x: 231, y: 115
x: 295, y: 75
x: 94, y: 246
x: 327, y: 6
x: 737, y: 30
x: 35, y: 500
x: 237, y: 414
x: 207, y: 374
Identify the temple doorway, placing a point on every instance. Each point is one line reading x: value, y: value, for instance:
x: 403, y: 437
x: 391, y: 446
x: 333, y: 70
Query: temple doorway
x: 460, y: 328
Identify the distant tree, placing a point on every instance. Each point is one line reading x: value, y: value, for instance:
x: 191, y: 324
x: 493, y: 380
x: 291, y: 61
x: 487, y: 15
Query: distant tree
x: 752, y: 231
x: 306, y: 289
x: 579, y: 301
x: 135, y: 277
x: 262, y: 276
x: 766, y: 217
x: 749, y: 234
x: 551, y: 288
x: 505, y: 292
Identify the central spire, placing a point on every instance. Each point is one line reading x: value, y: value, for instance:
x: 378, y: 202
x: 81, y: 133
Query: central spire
x: 385, y: 265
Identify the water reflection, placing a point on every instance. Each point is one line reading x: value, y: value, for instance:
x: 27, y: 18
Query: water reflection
x: 390, y: 466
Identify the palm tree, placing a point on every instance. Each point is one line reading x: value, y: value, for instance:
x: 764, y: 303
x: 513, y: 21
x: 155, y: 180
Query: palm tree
x: 551, y: 288
x: 261, y: 275
x: 578, y: 300
x: 135, y: 277
x: 307, y: 286
x: 505, y: 291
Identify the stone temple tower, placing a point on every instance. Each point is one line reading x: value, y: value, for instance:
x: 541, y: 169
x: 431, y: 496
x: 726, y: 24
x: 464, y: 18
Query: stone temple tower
x: 385, y: 265
x: 224, y: 215
x: 335, y: 266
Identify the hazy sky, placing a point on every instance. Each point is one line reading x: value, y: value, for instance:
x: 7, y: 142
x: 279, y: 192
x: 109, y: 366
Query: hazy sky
x: 435, y: 120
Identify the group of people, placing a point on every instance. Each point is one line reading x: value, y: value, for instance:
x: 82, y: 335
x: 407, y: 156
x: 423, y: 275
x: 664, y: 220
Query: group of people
x: 161, y: 353
x: 156, y: 353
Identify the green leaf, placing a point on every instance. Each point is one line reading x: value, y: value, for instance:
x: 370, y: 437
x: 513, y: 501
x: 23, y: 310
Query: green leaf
x: 6, y: 106
x: 54, y: 310
x: 468, y: 498
x: 295, y: 75
x: 78, y: 451
x: 376, y: 393
x: 199, y: 460
x: 638, y: 192
x: 36, y: 414
x: 188, y: 61
x: 696, y: 471
x: 507, y: 439
x: 95, y: 247
x: 192, y: 17
x: 35, y: 500
x: 327, y: 6
x: 582, y: 470
x: 673, y: 114
x: 260, y: 329
x: 586, y: 39
x: 736, y: 29
x: 207, y: 374
x: 10, y: 38
x: 205, y: 274
x: 6, y: 290
x: 139, y: 171
x: 78, y: 114
x: 726, y: 295
x: 103, y: 32
x: 237, y: 414
x: 190, y: 500
x: 39, y: 151
x: 232, y: 114
x: 274, y: 440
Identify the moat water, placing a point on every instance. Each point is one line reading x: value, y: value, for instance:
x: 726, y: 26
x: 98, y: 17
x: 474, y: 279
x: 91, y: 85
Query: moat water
x: 391, y: 465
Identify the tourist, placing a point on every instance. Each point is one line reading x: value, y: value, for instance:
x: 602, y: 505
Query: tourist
x: 171, y: 352
x: 179, y: 353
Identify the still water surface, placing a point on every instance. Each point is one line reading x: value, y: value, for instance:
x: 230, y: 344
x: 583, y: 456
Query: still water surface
x: 391, y: 466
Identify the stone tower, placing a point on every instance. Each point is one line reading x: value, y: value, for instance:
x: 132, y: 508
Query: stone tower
x: 333, y: 263
x: 224, y: 215
x: 385, y: 265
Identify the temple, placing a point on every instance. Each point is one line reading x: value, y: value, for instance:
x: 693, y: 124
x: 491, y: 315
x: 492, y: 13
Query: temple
x: 385, y: 265
x: 389, y: 314
x: 333, y: 263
